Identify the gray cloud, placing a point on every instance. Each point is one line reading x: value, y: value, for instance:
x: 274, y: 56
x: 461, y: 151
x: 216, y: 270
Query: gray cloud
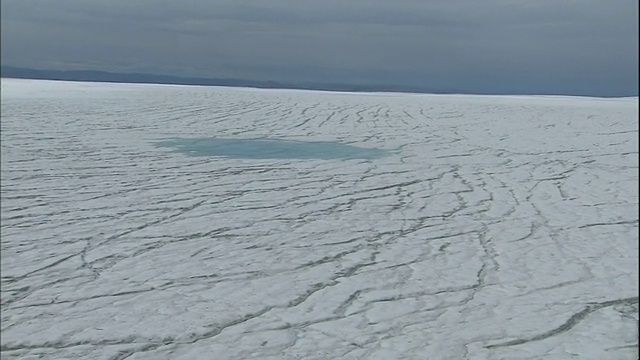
x: 493, y: 45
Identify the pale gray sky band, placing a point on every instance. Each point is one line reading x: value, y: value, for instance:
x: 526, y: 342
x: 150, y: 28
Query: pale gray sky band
x: 489, y: 45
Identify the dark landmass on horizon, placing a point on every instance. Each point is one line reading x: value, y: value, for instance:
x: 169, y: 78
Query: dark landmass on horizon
x: 140, y: 78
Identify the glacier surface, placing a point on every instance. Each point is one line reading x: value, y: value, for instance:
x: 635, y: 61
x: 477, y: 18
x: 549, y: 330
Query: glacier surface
x: 184, y: 222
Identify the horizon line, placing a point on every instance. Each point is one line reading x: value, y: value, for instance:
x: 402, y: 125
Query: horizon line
x: 102, y: 76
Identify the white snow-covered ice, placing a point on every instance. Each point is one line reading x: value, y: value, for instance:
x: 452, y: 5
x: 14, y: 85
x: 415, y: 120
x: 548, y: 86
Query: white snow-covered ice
x: 485, y: 227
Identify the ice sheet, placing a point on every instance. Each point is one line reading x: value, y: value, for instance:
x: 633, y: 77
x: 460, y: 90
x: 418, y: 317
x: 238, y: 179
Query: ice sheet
x: 496, y: 227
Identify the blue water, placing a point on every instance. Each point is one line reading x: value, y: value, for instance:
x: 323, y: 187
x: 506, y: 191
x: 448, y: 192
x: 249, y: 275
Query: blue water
x: 270, y: 149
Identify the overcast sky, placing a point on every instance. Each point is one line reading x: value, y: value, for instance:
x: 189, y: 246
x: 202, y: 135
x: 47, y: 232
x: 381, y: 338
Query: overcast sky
x: 544, y: 46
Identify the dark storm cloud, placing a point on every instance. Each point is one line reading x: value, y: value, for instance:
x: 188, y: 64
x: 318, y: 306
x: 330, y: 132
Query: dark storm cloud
x: 495, y: 45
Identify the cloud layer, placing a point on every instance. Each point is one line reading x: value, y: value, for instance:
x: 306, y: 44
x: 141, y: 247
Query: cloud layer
x: 495, y: 45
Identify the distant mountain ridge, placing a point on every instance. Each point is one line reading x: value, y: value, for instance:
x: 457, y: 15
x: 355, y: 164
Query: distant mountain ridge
x: 104, y: 76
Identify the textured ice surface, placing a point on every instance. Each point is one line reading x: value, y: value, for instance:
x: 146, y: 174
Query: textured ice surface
x: 493, y: 227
